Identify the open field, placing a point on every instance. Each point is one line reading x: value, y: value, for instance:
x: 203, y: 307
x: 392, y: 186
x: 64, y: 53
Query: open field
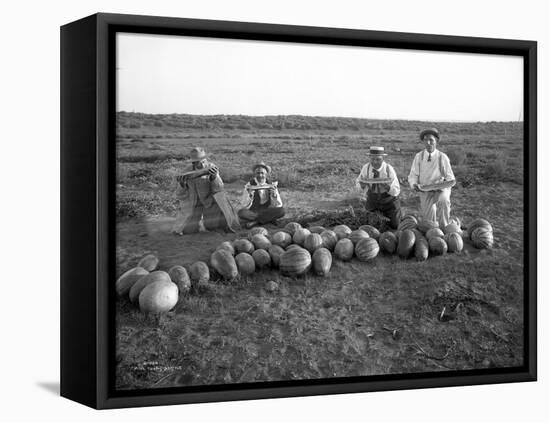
x: 364, y: 318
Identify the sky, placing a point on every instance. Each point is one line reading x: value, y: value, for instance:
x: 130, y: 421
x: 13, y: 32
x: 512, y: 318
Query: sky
x: 192, y: 75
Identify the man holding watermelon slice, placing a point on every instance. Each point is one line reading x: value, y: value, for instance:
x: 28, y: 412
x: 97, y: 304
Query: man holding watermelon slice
x: 261, y: 202
x: 432, y: 177
x: 203, y: 203
x: 380, y: 180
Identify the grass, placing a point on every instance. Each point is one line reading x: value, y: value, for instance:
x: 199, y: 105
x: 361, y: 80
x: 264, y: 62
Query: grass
x: 381, y: 317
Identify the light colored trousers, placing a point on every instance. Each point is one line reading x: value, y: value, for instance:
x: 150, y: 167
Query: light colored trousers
x: 436, y: 206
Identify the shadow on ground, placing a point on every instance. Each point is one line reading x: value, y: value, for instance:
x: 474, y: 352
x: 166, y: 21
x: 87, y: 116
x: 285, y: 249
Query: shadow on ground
x: 51, y: 387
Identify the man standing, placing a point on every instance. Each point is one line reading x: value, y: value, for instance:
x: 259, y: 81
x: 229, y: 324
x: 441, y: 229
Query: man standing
x: 261, y: 202
x: 203, y: 204
x: 431, y: 166
x: 382, y: 196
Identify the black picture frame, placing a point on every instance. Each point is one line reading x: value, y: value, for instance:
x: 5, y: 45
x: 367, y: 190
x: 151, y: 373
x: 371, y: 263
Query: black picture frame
x: 87, y: 212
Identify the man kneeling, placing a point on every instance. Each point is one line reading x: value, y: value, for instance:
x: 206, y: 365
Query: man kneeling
x: 261, y: 202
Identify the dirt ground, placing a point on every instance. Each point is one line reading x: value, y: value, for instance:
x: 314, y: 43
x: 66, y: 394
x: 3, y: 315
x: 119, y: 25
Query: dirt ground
x: 390, y: 316
x: 363, y: 319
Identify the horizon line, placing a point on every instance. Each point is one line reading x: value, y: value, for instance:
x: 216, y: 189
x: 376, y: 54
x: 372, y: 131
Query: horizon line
x: 329, y: 116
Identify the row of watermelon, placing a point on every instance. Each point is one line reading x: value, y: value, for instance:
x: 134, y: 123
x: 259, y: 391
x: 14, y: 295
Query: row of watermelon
x: 295, y: 250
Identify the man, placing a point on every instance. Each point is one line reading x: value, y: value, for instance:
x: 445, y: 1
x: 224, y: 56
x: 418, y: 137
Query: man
x: 261, y: 205
x: 383, y: 197
x: 203, y: 204
x: 431, y: 166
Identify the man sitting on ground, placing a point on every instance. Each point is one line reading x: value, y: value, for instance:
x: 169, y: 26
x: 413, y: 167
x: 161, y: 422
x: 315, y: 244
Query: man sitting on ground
x: 261, y: 202
x: 382, y: 197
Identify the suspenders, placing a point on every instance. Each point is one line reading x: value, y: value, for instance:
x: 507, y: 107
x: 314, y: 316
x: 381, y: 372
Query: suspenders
x: 374, y: 187
x: 441, y: 169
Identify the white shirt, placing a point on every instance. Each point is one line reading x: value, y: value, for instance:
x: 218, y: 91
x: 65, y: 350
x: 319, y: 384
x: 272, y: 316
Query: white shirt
x: 386, y: 171
x: 248, y: 196
x: 438, y: 169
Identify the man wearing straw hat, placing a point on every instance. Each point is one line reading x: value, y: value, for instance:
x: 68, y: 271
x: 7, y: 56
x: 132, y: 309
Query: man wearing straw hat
x: 261, y: 202
x: 380, y: 180
x: 432, y: 167
x: 203, y: 203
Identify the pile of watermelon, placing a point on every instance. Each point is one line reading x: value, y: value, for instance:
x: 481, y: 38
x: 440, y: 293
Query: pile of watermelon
x: 295, y: 251
x: 157, y: 291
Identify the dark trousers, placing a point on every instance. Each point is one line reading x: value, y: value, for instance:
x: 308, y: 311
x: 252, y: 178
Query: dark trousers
x: 212, y: 218
x: 388, y: 205
x: 263, y: 215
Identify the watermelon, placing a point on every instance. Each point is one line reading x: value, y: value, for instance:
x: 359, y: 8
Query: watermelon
x: 275, y: 253
x: 410, y: 217
x: 437, y: 246
x: 312, y: 242
x: 149, y: 262
x: 292, y: 246
x: 321, y: 261
x: 421, y: 249
x: 358, y: 235
x: 474, y: 225
x: 224, y: 263
x: 282, y: 239
x: 243, y: 245
x: 292, y: 227
x: 179, y: 275
x: 158, y: 297
x: 344, y: 249
x: 418, y: 234
x: 258, y: 230
x: 367, y: 249
x: 329, y: 239
x: 155, y: 276
x: 260, y: 242
x: 295, y: 262
x: 388, y: 242
x: 261, y: 258
x: 482, y: 237
x: 245, y: 263
x: 226, y: 245
x: 300, y: 236
x: 125, y: 282
x: 199, y: 272
x: 316, y: 229
x: 454, y: 242
x: 425, y: 225
x: 452, y: 228
x: 456, y: 221
x: 342, y: 231
x: 371, y: 230
x: 406, y: 242
x: 435, y: 232
x: 407, y: 223
x: 271, y: 286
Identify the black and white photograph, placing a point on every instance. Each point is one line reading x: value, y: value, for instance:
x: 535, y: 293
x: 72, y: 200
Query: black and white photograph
x: 298, y: 212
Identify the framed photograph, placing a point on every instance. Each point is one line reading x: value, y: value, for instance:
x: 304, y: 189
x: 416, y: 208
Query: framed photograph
x: 255, y: 210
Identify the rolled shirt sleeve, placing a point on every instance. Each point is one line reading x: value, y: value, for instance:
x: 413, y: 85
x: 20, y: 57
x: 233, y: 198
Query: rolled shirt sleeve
x: 362, y: 176
x: 414, y: 174
x: 276, y: 199
x: 447, y: 169
x: 246, y: 197
x: 395, y: 189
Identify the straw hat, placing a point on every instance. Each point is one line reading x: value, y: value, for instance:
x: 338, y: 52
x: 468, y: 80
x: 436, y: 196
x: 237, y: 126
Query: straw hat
x: 377, y: 151
x: 197, y: 154
x: 261, y: 164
